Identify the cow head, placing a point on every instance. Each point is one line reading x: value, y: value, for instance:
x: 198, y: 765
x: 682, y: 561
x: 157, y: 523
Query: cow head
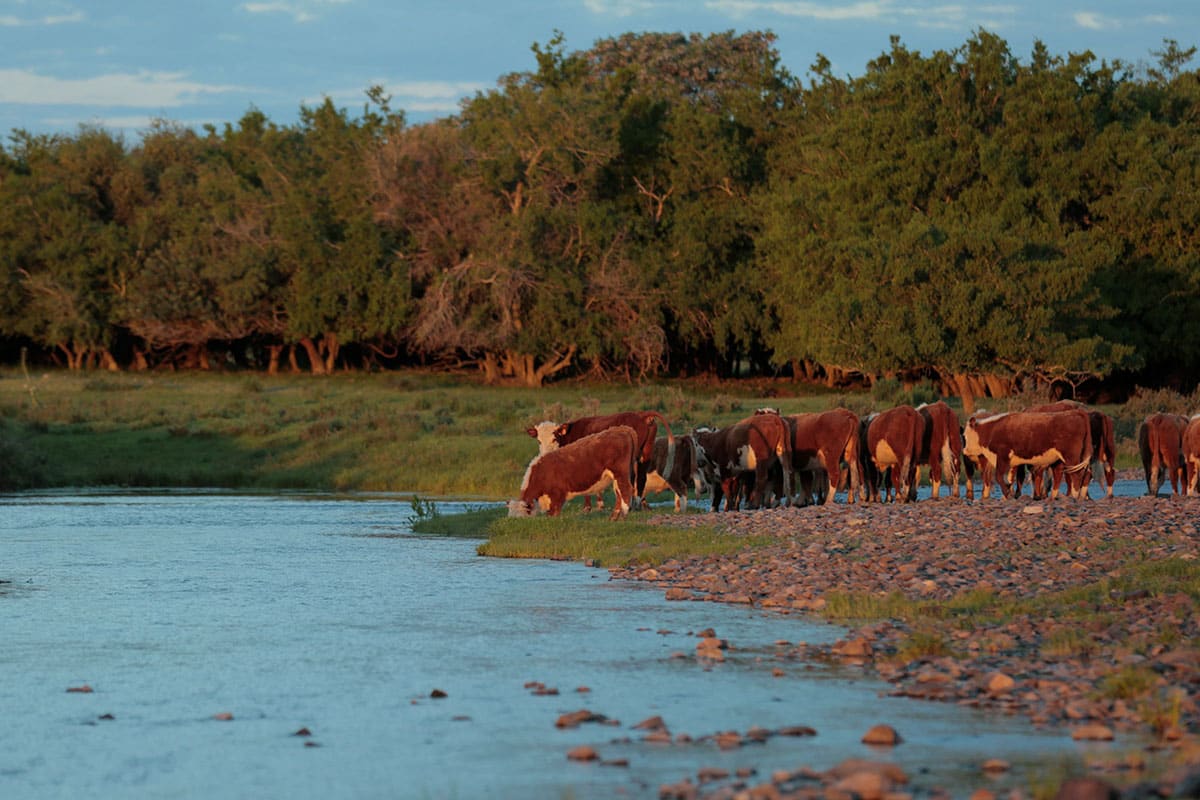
x: 519, y: 508
x: 548, y: 434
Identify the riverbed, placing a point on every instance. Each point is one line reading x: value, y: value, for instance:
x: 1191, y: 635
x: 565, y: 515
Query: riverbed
x: 197, y: 644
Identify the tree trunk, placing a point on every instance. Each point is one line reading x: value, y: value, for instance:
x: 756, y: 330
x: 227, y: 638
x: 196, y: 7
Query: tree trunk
x: 491, y: 369
x: 331, y: 346
x: 998, y: 386
x: 963, y: 388
x: 108, y: 362
x: 273, y: 352
x: 315, y: 361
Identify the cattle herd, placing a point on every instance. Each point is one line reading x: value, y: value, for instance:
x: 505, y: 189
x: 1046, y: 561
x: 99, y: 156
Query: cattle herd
x: 770, y: 459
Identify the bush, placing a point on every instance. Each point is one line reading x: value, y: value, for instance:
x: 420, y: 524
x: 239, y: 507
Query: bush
x: 20, y: 467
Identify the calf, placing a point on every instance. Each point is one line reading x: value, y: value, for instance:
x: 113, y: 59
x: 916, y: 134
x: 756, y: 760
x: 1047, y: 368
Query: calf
x: 894, y: 443
x: 1160, y: 441
x: 941, y: 446
x: 675, y: 477
x: 821, y: 443
x: 1002, y: 442
x: 583, y: 467
x: 1191, y: 455
x: 751, y: 446
x: 550, y: 435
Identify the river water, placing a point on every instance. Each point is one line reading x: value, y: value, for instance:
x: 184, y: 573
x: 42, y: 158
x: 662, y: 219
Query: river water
x: 290, y: 612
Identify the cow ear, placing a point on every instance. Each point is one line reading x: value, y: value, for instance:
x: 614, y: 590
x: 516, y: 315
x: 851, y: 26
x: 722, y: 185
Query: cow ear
x: 532, y: 432
x: 561, y: 430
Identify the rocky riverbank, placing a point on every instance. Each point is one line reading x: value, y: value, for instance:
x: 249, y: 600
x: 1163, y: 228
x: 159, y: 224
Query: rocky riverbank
x: 1075, y: 614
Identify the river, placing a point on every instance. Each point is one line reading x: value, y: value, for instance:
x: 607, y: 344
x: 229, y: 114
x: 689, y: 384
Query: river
x: 213, y: 627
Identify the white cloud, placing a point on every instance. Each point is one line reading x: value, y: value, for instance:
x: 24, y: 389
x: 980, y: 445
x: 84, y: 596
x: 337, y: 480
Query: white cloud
x: 298, y: 10
x: 11, y: 21
x: 1092, y: 21
x: 867, y: 10
x: 423, y: 96
x: 131, y: 90
x: 618, y: 8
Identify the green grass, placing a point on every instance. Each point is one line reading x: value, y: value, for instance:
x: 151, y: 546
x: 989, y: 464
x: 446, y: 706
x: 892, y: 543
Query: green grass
x: 603, y: 542
x: 434, y: 434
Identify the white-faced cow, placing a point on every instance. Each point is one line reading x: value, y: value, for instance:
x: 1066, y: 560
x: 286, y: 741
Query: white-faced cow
x: 584, y: 467
x: 1191, y: 455
x: 676, y: 477
x: 941, y: 447
x: 1104, y: 448
x: 1160, y: 441
x: 821, y: 443
x: 1002, y: 442
x: 550, y: 435
x: 745, y: 451
x: 894, y: 443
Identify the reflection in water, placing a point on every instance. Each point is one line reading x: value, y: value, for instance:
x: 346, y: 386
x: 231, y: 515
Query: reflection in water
x: 291, y: 612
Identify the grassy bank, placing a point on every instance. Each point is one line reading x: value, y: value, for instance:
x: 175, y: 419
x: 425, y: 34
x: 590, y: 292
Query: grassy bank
x: 425, y: 433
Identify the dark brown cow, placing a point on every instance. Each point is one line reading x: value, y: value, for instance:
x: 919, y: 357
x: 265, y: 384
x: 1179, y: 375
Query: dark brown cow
x: 751, y: 446
x: 1160, y: 441
x: 584, y: 467
x: 550, y: 435
x: 684, y: 471
x: 1104, y: 448
x: 894, y: 443
x: 941, y: 447
x: 1002, y: 442
x: 1191, y: 455
x: 821, y: 443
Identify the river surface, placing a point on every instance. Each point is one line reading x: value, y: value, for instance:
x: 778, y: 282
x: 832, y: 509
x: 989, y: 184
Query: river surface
x: 326, y: 613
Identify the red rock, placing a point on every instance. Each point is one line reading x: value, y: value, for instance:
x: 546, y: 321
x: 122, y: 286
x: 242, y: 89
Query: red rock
x: 1094, y: 732
x: 223, y: 716
x: 583, y: 753
x: 651, y: 724
x: 1087, y: 789
x: 882, y: 735
x: 84, y: 689
x: 576, y: 718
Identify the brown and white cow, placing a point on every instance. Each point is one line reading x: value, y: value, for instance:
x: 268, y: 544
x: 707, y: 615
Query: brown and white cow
x: 821, y: 443
x: 894, y: 444
x: 1104, y: 448
x: 744, y: 451
x: 583, y: 467
x: 675, y: 477
x: 1002, y: 442
x: 1191, y: 455
x: 1160, y: 441
x: 551, y: 435
x: 941, y: 447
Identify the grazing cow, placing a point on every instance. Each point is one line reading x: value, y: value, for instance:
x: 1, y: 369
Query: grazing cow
x: 684, y: 470
x: 585, y: 466
x: 747, y: 448
x: 941, y: 447
x: 894, y: 443
x: 1160, y: 440
x: 1002, y: 442
x: 1191, y: 455
x: 821, y: 443
x: 1104, y: 448
x: 644, y: 423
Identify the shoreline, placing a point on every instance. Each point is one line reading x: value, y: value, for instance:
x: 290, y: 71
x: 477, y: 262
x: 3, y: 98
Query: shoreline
x: 1036, y: 608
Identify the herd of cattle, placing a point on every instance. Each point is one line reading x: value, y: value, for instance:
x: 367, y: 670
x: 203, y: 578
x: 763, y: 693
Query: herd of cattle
x: 771, y: 459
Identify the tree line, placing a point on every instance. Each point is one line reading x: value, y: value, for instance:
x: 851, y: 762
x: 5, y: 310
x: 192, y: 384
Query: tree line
x: 657, y: 204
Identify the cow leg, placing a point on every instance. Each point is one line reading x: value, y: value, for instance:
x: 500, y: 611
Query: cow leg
x: 1005, y: 474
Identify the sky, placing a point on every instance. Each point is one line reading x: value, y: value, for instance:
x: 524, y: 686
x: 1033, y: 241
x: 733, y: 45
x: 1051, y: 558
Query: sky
x: 120, y: 64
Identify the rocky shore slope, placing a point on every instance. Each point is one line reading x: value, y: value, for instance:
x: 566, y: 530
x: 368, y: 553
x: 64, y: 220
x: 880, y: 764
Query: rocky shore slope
x: 1075, y: 614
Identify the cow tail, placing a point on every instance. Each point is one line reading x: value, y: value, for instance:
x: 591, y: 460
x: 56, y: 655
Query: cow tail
x: 669, y: 467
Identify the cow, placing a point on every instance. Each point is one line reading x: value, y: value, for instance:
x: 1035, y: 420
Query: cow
x: 583, y: 467
x: 685, y: 469
x: 1191, y: 455
x: 550, y: 435
x: 941, y: 447
x: 744, y: 449
x: 1160, y: 442
x: 894, y: 443
x: 821, y: 443
x: 1104, y: 448
x: 1002, y: 442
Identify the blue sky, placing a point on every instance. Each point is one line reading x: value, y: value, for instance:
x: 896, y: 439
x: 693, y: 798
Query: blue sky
x: 122, y: 64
